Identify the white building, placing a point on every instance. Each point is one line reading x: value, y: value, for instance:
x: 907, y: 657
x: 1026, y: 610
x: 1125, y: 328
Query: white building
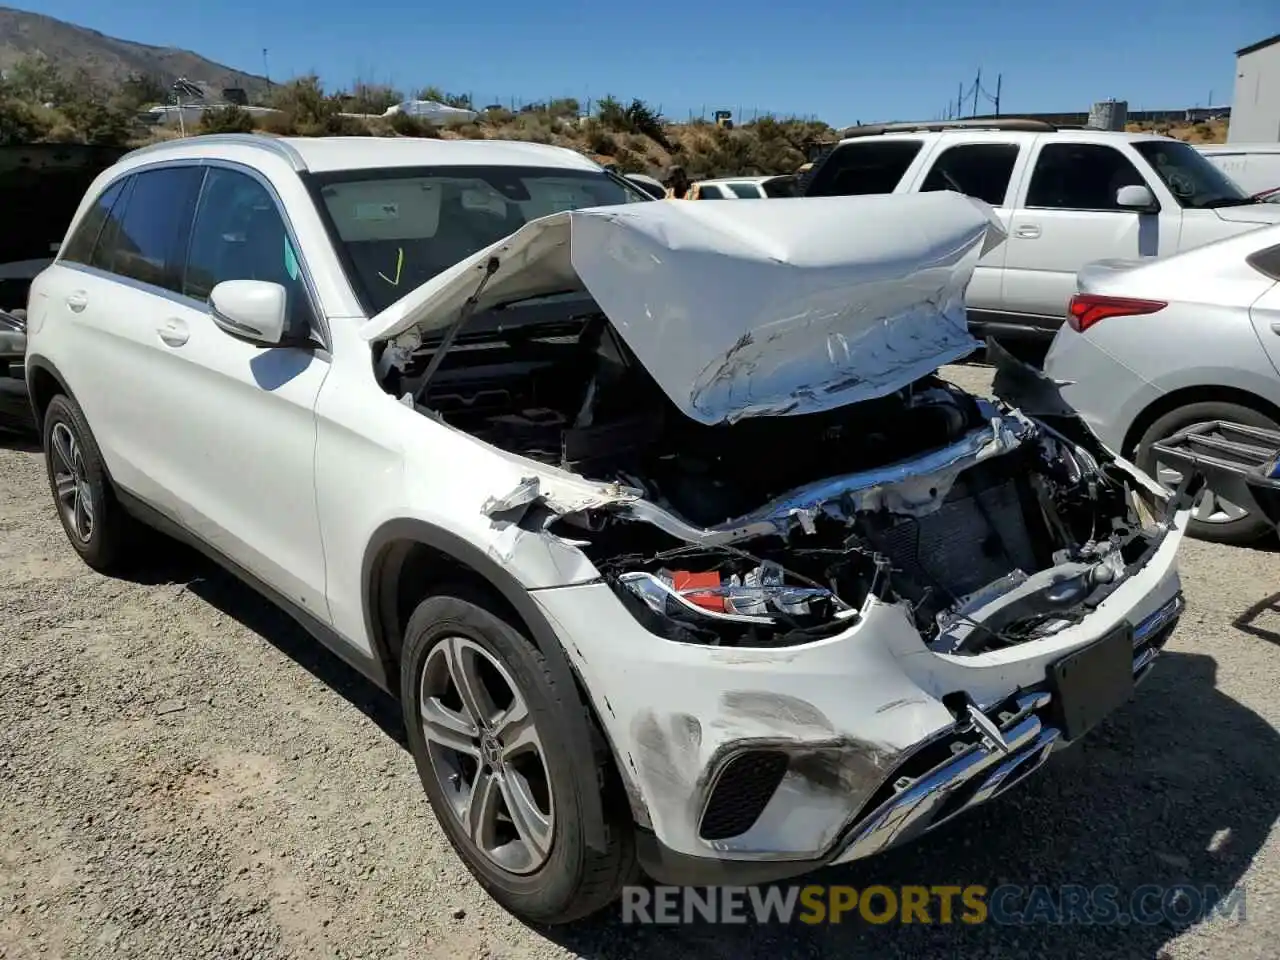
x: 1255, y: 114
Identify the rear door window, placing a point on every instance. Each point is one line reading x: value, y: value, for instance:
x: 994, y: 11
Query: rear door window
x: 747, y: 191
x: 145, y: 242
x: 864, y: 167
x: 710, y: 191
x: 1080, y: 176
x: 981, y: 170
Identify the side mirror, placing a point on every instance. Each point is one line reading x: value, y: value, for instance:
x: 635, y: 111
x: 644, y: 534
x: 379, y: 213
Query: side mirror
x: 1137, y: 197
x: 252, y: 310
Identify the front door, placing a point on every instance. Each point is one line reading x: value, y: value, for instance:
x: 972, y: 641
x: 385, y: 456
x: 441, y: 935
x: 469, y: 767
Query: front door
x: 990, y: 171
x: 1068, y: 218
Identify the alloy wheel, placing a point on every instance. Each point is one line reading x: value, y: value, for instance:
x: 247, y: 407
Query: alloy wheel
x: 71, y: 482
x: 486, y: 754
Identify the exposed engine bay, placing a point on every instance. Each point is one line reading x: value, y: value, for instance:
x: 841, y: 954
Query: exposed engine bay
x: 1015, y: 546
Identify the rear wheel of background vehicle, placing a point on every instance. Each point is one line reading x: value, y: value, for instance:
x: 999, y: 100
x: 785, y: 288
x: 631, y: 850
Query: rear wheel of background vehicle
x: 1213, y: 518
x: 489, y: 728
x: 95, y: 523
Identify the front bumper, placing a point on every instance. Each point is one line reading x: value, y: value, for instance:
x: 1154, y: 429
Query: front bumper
x: 750, y: 765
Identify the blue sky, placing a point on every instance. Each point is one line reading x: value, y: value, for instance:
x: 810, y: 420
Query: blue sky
x: 843, y: 61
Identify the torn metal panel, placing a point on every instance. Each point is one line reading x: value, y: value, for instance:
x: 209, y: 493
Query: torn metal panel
x: 913, y: 488
x: 743, y: 310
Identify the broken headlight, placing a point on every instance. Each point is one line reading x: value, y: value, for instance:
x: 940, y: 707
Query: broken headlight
x: 756, y: 606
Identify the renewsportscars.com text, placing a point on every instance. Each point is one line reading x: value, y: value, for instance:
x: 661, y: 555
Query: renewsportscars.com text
x: 1008, y: 905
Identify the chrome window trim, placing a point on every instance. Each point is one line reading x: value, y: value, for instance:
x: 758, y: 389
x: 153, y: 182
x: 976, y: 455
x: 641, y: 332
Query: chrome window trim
x: 313, y: 297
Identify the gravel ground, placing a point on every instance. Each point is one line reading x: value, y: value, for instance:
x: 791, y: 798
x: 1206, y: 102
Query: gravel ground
x: 183, y: 773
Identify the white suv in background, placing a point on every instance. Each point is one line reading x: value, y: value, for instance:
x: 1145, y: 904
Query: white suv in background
x: 1066, y: 197
x: 657, y: 575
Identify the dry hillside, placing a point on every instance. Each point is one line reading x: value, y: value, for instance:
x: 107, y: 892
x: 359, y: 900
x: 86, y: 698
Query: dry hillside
x: 108, y: 59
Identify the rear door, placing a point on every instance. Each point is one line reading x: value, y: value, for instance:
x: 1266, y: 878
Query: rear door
x: 988, y: 170
x: 1068, y: 216
x: 1265, y: 312
x: 121, y: 275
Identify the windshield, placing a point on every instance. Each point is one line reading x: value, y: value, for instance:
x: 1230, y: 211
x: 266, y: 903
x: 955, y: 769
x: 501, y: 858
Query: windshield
x: 397, y: 228
x: 1192, y: 179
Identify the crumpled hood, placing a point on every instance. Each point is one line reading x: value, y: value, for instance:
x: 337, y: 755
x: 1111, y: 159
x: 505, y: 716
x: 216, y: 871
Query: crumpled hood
x: 1260, y: 213
x: 775, y: 307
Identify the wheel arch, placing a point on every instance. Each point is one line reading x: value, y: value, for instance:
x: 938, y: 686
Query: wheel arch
x: 1185, y: 396
x: 402, y: 561
x: 44, y: 382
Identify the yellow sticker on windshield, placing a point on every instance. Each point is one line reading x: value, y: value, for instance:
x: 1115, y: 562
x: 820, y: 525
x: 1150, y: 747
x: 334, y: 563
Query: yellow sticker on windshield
x: 399, y: 268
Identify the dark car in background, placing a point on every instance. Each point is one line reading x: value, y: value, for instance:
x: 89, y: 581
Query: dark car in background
x: 41, y: 185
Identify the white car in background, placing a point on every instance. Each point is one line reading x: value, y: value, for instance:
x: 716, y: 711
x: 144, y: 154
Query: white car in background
x: 653, y: 588
x: 743, y: 188
x: 1066, y: 197
x: 1152, y: 348
x: 1254, y: 166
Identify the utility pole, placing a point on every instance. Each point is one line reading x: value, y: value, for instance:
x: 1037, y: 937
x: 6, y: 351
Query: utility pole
x: 266, y: 67
x: 960, y: 102
x: 977, y: 87
x: 999, y: 78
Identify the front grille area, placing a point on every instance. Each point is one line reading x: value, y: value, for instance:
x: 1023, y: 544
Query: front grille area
x: 746, y: 784
x: 976, y: 537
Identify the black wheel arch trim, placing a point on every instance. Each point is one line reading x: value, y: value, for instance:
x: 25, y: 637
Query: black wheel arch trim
x: 509, y: 589
x: 35, y: 362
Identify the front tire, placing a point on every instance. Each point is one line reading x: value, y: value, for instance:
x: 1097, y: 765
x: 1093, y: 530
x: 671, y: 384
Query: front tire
x: 1213, y: 518
x: 96, y: 526
x: 488, y: 726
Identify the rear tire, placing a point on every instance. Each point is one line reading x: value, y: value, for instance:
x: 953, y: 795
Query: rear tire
x: 96, y: 525
x: 1214, y: 520
x: 531, y: 853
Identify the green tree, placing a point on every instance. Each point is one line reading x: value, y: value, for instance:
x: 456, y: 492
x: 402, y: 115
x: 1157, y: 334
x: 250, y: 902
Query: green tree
x: 373, y: 98
x: 20, y: 123
x: 36, y: 79
x: 140, y: 90
x: 228, y: 119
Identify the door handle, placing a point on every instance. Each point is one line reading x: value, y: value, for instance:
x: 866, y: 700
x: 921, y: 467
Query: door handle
x: 174, y: 332
x: 1027, y: 231
x: 77, y: 301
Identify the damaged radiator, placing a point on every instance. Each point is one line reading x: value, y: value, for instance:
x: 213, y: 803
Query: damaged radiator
x: 977, y: 536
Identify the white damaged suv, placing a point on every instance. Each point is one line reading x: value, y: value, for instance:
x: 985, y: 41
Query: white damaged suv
x: 655, y: 516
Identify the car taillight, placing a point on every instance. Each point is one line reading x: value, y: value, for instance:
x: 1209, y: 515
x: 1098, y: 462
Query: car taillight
x: 1087, y: 309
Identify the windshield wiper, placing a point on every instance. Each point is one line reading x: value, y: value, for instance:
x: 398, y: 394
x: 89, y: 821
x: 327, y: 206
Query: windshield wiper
x: 534, y: 298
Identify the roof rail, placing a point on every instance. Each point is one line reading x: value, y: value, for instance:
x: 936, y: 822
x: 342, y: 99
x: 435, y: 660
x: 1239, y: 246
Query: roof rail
x: 271, y: 144
x: 1012, y: 124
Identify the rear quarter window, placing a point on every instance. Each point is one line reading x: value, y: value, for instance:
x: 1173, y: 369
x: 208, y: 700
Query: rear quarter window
x: 79, y: 248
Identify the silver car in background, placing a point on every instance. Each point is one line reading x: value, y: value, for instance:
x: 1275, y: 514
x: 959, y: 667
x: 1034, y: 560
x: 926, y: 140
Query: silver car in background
x: 1153, y: 347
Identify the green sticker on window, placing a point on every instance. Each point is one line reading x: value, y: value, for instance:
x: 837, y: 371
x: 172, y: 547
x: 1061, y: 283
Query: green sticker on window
x: 290, y: 260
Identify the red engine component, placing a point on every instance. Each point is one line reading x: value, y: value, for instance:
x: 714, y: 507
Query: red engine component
x: 685, y: 580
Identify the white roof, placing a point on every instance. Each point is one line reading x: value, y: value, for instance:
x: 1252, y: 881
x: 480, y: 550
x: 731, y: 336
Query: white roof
x: 1238, y: 147
x: 324, y: 154
x: 1006, y: 136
